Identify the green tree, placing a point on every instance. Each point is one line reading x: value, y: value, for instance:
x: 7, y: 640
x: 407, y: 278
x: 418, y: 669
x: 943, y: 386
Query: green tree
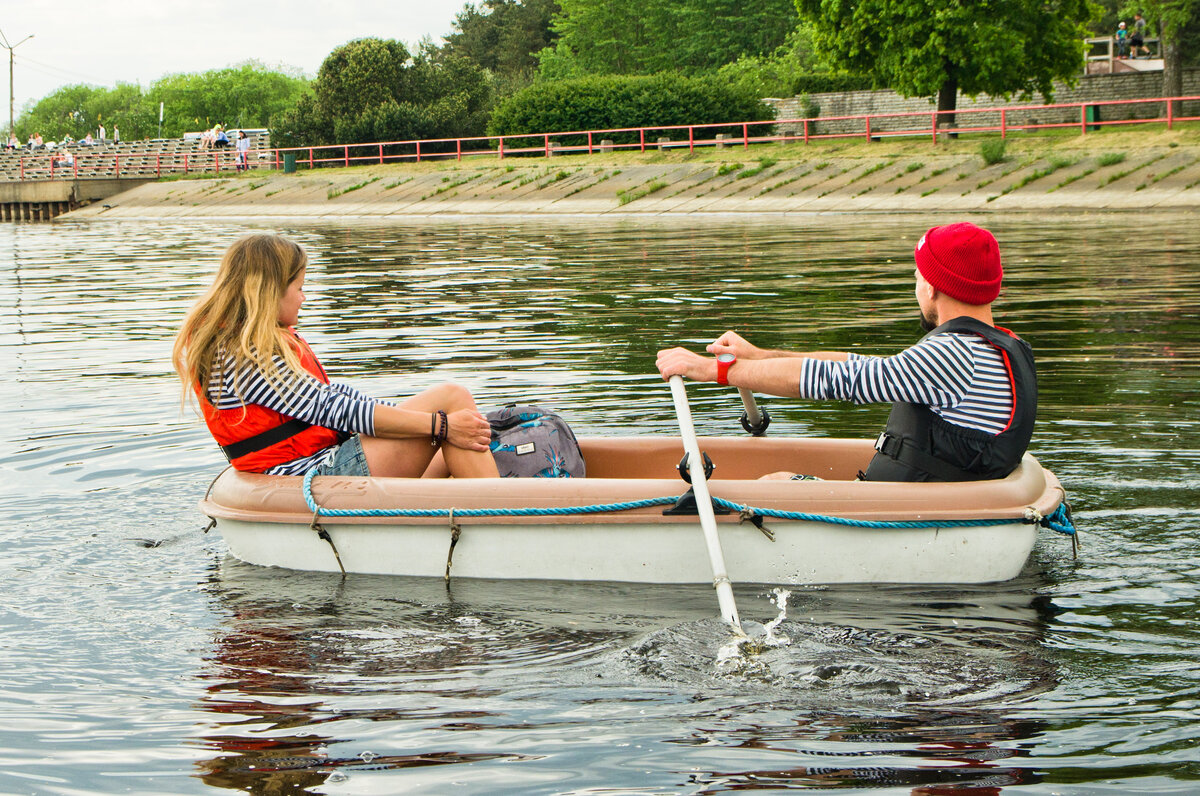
x: 631, y: 37
x: 374, y: 90
x: 247, y: 95
x: 502, y: 36
x: 1178, y: 23
x: 79, y: 109
x: 925, y: 48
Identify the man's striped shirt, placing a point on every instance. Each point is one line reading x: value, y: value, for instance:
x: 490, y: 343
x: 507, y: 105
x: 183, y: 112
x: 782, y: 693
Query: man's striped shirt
x: 960, y: 376
x: 336, y: 406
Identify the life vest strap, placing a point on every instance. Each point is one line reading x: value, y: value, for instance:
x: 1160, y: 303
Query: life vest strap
x: 898, y: 448
x: 266, y: 439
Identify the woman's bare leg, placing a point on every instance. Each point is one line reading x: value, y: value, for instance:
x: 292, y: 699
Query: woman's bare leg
x: 409, y: 458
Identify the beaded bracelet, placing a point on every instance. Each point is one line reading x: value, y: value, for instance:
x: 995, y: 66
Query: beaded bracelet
x: 439, y: 435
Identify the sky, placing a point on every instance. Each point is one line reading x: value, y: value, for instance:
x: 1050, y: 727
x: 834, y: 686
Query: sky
x: 139, y: 41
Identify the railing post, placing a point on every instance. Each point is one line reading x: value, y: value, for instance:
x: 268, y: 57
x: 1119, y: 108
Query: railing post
x: 745, y: 136
x: 642, y: 132
x: 381, y: 154
x: 868, y: 129
x: 75, y: 168
x: 310, y: 158
x: 933, y: 124
x: 158, y: 164
x: 1003, y: 122
x: 418, y: 151
x: 52, y: 167
x: 806, y: 131
x: 217, y: 162
x: 116, y: 164
x: 589, y: 142
x: 547, y: 145
x: 346, y: 154
x: 691, y: 138
x: 458, y: 148
x: 276, y: 158
x: 1082, y: 119
x: 22, y: 169
x: 185, y: 162
x: 1170, y: 113
x: 501, y: 147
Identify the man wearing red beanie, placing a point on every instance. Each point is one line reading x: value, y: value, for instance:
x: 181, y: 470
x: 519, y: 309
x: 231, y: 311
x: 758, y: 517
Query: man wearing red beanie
x: 964, y: 398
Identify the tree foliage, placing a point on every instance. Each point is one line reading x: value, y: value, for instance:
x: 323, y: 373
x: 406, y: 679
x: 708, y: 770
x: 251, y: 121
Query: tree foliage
x: 1178, y: 24
x: 241, y: 96
x: 939, y: 47
x: 374, y: 90
x: 615, y: 101
x: 632, y: 37
x: 503, y: 36
x: 247, y: 95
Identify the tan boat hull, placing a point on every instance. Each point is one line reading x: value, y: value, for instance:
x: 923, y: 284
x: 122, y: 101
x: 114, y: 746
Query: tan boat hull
x: 266, y: 521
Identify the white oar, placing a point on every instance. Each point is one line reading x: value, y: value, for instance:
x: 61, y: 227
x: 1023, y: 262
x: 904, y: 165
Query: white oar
x: 753, y: 415
x: 708, y: 521
x: 753, y: 420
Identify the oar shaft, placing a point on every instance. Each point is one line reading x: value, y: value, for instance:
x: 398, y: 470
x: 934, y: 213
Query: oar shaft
x: 753, y: 415
x: 708, y: 520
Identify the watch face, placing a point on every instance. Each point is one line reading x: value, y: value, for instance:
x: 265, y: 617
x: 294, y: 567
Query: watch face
x: 725, y: 357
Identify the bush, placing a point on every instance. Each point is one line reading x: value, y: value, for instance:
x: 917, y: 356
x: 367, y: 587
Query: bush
x: 992, y: 151
x: 615, y: 101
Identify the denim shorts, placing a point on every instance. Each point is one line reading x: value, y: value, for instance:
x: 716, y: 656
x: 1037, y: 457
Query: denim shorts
x: 347, y: 459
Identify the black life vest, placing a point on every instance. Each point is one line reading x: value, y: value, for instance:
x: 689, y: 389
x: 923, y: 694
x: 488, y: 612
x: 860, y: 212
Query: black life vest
x: 918, y: 445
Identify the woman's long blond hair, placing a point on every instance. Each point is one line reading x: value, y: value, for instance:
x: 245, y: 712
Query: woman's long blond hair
x: 239, y: 314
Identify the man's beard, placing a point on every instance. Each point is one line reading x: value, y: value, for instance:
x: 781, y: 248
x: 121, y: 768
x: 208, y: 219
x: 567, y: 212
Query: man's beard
x: 928, y: 324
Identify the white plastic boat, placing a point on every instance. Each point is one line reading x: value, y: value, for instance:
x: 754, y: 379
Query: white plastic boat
x: 968, y: 532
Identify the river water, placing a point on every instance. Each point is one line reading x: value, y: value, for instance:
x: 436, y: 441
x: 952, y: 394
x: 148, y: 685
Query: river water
x: 139, y: 658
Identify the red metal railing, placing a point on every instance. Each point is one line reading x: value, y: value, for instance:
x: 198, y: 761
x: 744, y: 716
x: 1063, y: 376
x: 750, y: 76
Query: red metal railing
x: 88, y: 164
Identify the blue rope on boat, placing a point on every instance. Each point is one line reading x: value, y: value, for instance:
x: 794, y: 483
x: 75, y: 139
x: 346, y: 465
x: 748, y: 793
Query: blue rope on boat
x: 527, y: 512
x: 1059, y: 521
x: 804, y: 517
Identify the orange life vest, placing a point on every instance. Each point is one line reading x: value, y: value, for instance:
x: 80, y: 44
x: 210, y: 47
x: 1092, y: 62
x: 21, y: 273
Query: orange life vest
x: 255, y: 438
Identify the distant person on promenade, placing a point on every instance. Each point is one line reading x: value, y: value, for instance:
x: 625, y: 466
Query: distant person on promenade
x: 103, y: 135
x: 220, y: 140
x: 1137, y: 39
x: 1122, y: 37
x: 116, y: 135
x: 269, y: 403
x: 13, y: 141
x: 88, y: 140
x: 963, y: 399
x: 243, y: 151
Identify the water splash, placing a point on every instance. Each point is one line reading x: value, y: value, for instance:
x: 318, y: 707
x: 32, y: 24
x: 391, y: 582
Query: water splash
x: 739, y: 654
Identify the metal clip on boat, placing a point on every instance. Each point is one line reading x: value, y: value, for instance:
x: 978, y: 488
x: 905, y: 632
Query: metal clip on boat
x: 687, y: 501
x: 754, y: 420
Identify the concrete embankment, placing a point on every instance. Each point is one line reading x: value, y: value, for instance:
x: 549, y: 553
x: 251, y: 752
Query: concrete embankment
x: 1158, y: 171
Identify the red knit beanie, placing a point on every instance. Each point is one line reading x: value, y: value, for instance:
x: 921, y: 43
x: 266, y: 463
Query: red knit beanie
x: 962, y: 261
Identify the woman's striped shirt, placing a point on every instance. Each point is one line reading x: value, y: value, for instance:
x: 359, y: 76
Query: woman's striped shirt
x: 336, y: 406
x: 960, y: 376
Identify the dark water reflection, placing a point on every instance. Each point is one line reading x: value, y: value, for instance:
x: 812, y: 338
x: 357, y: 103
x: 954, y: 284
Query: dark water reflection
x: 141, y: 659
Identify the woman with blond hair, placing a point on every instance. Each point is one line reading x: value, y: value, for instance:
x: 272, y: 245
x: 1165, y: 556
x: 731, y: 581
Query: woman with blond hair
x: 270, y: 405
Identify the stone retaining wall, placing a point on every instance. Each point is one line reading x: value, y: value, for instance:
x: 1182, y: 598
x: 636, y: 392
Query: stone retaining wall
x: 1091, y: 88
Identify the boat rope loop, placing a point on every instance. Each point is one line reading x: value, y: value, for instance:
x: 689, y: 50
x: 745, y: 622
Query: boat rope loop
x: 455, y: 533
x: 1058, y: 521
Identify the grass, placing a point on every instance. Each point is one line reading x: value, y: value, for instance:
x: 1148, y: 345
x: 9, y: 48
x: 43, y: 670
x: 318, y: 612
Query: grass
x: 1120, y: 174
x: 334, y: 193
x: 1111, y: 158
x: 1054, y: 165
x: 633, y: 194
x: 763, y: 164
x: 450, y: 185
x: 594, y: 182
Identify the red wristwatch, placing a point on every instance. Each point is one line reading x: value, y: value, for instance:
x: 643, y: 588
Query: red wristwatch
x: 724, y: 363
